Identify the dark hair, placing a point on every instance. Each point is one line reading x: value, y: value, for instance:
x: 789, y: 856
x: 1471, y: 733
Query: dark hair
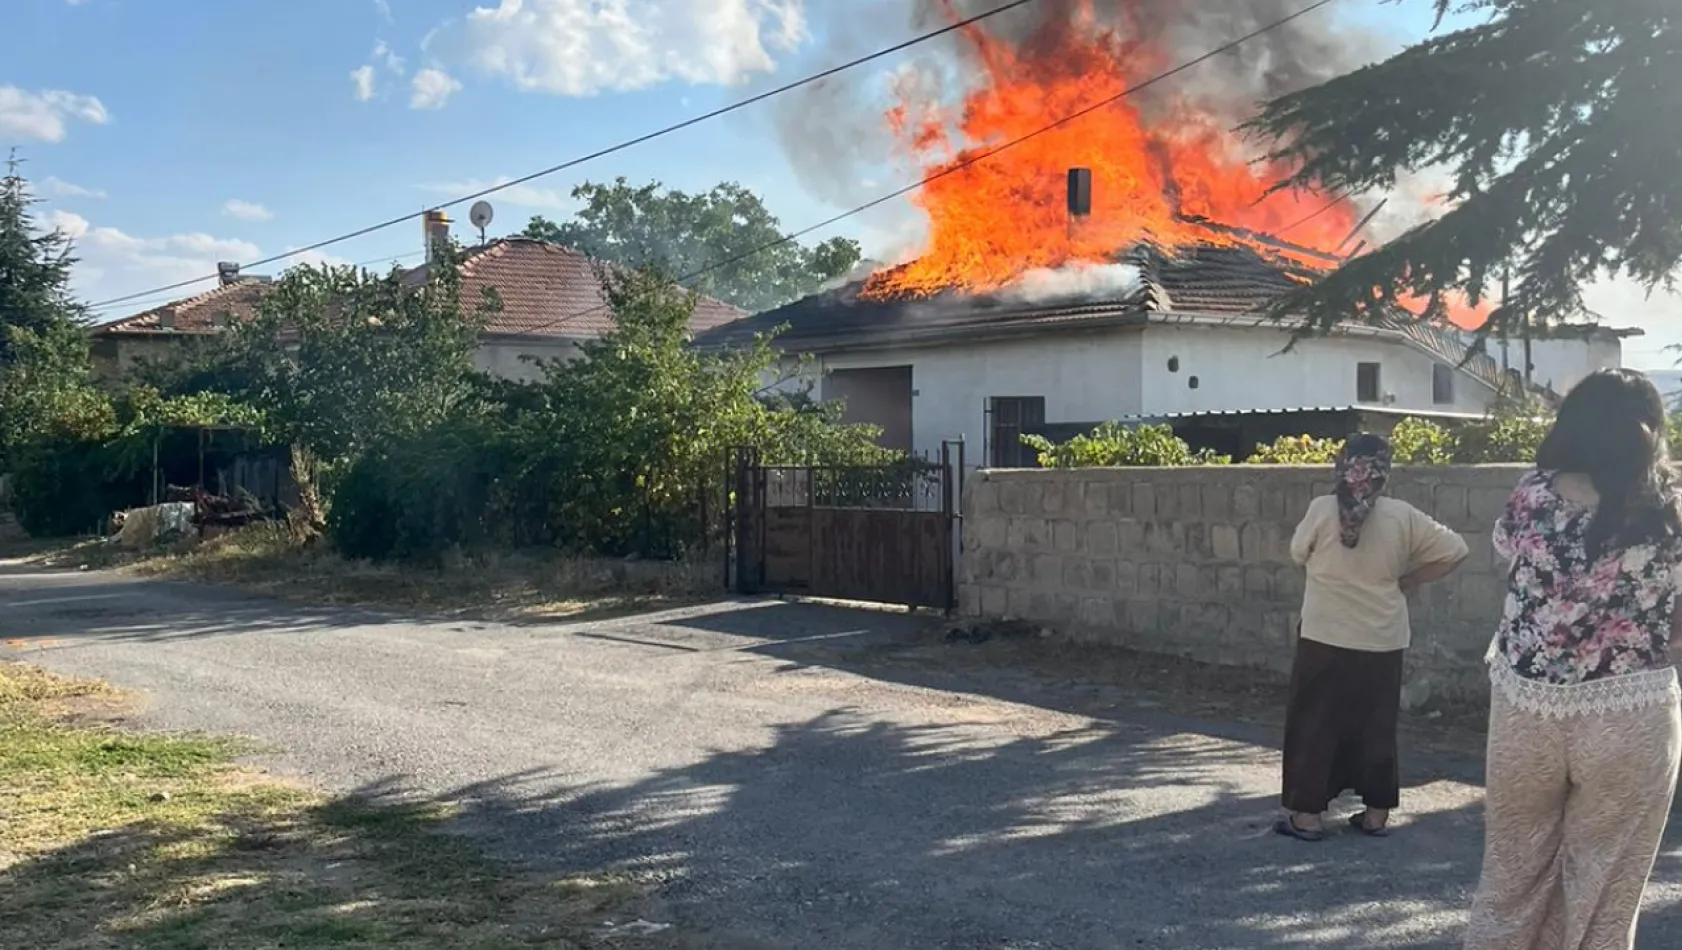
x: 1612, y: 428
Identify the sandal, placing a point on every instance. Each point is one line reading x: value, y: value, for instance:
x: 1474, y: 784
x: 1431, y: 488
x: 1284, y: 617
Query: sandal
x: 1358, y: 821
x: 1287, y: 826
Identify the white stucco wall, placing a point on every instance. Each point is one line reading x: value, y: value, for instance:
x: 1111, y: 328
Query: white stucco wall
x: 1563, y: 364
x: 1244, y: 368
x: 1083, y: 376
x: 1092, y: 377
x: 505, y: 357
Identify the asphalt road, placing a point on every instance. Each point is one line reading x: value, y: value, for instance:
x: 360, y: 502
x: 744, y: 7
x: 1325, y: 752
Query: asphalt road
x: 782, y: 779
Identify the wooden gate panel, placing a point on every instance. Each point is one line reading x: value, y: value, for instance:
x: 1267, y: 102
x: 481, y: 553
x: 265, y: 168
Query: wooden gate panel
x: 852, y: 534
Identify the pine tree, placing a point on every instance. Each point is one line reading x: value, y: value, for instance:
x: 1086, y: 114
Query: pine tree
x: 1558, y: 122
x: 34, y: 268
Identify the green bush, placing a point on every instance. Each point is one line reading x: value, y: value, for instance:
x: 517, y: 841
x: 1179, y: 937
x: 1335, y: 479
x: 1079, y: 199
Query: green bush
x: 1421, y: 442
x: 63, y: 486
x: 1112, y: 445
x: 416, y: 499
x: 1297, y: 450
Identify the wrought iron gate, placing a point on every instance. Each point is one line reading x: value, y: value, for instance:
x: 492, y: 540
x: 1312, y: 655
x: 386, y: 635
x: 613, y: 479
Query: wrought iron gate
x: 885, y: 534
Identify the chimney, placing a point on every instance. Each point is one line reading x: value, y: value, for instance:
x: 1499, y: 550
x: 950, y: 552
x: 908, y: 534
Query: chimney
x: 437, y: 231
x: 1080, y: 193
x: 227, y: 272
x: 166, y: 320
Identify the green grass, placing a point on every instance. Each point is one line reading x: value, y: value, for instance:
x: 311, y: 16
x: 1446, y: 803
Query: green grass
x: 120, y: 839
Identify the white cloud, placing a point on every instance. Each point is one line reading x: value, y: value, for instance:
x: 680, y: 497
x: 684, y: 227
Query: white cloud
x: 113, y: 263
x: 518, y: 196
x: 59, y: 188
x: 582, y: 47
x: 246, y: 210
x: 362, y: 78
x: 432, y: 89
x: 45, y: 115
x: 384, y: 6
x: 384, y: 54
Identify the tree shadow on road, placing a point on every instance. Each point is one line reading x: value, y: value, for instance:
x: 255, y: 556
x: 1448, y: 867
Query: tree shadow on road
x: 850, y: 832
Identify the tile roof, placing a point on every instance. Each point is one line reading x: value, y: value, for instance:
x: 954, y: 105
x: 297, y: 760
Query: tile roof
x: 232, y: 302
x: 1206, y: 284
x: 1211, y: 280
x: 552, y: 290
x: 546, y: 289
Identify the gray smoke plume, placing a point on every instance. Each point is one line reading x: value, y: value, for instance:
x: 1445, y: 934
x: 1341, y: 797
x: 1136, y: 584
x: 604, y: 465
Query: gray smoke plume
x: 838, y: 142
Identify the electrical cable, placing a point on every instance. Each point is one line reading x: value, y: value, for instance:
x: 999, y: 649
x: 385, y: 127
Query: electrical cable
x: 600, y: 153
x: 971, y: 160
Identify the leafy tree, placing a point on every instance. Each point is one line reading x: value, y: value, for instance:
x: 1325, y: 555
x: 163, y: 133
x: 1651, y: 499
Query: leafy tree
x: 1112, y: 445
x: 34, y: 268
x: 338, y: 359
x: 619, y: 452
x: 677, y: 234
x: 1555, y: 122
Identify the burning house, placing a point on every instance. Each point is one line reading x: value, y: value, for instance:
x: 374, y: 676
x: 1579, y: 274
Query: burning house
x: 1114, y: 267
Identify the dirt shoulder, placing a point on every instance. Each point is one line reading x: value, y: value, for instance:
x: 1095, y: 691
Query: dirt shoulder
x: 112, y: 836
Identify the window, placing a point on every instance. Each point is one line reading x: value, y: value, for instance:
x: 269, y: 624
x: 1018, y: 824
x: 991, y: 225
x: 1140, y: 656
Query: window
x: 1367, y: 383
x: 1442, y: 384
x: 1193, y: 382
x: 1008, y: 417
x: 1173, y: 364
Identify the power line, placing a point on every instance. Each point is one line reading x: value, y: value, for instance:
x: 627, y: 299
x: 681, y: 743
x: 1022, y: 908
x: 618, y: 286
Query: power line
x: 1337, y: 199
x: 971, y: 160
x: 628, y: 143
x: 166, y: 295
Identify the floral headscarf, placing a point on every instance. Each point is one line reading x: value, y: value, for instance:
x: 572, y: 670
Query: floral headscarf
x: 1363, y: 469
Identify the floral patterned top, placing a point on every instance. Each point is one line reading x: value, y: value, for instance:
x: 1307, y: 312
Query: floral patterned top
x: 1570, y: 621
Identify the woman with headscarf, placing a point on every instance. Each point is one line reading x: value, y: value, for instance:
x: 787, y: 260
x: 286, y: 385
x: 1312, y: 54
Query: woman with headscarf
x: 1363, y: 551
x: 1585, y: 713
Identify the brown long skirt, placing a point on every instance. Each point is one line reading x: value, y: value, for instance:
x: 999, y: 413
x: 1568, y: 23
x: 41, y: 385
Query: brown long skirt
x: 1340, y: 727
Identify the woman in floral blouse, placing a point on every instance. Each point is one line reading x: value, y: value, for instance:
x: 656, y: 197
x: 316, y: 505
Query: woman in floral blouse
x: 1585, y: 733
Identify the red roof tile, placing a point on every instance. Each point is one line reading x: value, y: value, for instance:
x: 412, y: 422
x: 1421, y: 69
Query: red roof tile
x: 230, y: 302
x: 552, y: 290
x: 546, y: 289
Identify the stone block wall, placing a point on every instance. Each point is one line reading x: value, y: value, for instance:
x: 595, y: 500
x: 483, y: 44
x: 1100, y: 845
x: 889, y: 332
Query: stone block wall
x: 1196, y: 562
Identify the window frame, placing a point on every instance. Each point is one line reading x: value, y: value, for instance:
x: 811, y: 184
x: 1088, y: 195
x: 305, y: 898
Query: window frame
x: 1008, y: 417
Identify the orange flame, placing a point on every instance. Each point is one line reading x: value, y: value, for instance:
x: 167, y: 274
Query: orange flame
x: 1151, y: 179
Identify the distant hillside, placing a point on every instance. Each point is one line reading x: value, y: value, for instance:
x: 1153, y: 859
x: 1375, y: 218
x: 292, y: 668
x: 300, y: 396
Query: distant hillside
x: 1669, y: 381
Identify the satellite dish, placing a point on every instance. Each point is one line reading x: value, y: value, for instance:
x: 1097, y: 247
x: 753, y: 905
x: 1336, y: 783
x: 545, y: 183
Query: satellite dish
x: 480, y: 214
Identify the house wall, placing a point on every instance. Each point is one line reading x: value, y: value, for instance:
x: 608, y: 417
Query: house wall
x: 1563, y: 364
x: 1081, y: 375
x: 1245, y: 368
x: 1195, y: 562
x: 505, y: 357
x: 116, y: 355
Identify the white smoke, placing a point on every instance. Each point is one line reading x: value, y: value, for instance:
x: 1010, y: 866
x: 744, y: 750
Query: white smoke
x: 1075, y: 281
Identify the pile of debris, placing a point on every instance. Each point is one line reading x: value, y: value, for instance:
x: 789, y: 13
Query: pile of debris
x: 189, y: 512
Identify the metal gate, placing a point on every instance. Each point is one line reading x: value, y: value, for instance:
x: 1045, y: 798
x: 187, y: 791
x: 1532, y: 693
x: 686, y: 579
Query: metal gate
x: 884, y: 534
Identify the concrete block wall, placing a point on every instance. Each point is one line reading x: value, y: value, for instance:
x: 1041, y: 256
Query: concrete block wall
x: 1195, y: 562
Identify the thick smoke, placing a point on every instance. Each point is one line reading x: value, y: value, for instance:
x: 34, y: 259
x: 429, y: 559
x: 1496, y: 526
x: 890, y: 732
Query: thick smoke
x: 836, y: 136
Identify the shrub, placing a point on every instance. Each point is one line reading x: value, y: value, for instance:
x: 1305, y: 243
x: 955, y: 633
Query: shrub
x: 1112, y: 445
x: 1420, y: 442
x: 1501, y: 438
x: 1297, y: 450
x: 417, y: 498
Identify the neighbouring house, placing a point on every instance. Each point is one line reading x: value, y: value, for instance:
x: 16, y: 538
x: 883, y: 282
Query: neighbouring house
x: 1164, y: 338
x: 551, y: 301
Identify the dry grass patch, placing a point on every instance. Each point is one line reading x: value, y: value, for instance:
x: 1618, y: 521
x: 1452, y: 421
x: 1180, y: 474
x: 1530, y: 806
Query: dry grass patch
x: 112, y: 839
x: 269, y: 559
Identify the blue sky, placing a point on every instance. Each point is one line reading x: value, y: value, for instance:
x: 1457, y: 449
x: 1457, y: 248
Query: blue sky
x: 170, y: 135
